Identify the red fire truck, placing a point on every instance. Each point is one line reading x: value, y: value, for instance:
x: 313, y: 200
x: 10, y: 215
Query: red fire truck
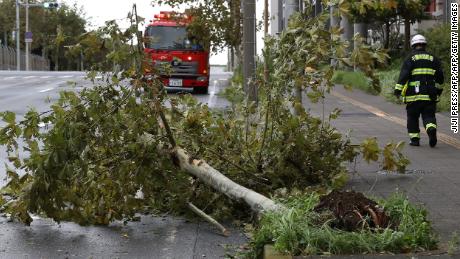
x: 169, y: 43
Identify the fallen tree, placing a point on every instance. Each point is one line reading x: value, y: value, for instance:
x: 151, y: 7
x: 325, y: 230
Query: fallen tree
x: 91, y: 161
x: 223, y: 184
x: 124, y: 146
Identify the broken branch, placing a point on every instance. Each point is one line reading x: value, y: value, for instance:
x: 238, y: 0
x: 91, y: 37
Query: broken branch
x: 209, y: 219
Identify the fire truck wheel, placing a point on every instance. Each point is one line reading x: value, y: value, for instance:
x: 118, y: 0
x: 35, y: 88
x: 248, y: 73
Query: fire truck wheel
x: 200, y: 90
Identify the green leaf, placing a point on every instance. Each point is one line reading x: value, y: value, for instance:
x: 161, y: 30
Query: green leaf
x: 314, y: 96
x: 370, y: 149
x: 9, y: 117
x: 335, y: 114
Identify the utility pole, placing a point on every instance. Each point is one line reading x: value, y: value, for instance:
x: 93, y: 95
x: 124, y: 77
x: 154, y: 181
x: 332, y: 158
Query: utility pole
x: 249, y: 48
x: 18, y: 36
x: 265, y: 38
x: 28, y: 37
x: 347, y: 34
x: 318, y: 7
x: 27, y: 41
x: 290, y: 7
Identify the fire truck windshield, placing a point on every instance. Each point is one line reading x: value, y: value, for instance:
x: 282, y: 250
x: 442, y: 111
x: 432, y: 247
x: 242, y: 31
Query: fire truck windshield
x: 169, y: 37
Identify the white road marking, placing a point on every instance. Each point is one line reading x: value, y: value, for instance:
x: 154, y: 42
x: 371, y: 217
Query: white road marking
x: 9, y: 78
x: 65, y: 76
x: 46, y: 90
x: 212, y: 95
x: 29, y: 77
x: 44, y: 77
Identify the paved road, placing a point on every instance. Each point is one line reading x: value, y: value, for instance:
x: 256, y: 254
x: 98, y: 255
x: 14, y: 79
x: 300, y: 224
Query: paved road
x: 152, y: 237
x: 21, y: 90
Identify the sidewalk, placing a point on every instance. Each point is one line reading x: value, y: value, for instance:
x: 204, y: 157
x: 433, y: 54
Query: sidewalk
x: 436, y: 181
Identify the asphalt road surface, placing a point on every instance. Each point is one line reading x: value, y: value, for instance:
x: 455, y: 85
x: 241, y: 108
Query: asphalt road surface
x: 152, y: 237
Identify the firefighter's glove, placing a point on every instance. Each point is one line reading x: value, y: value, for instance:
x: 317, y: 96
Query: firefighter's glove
x: 397, y: 93
x: 439, y: 91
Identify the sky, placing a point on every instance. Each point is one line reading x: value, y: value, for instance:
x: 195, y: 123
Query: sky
x: 99, y: 11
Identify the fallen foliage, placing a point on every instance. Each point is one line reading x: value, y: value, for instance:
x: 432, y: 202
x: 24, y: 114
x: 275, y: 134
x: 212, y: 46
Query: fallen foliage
x: 302, y: 230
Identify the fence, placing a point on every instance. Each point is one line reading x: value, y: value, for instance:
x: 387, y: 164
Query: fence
x: 8, y: 60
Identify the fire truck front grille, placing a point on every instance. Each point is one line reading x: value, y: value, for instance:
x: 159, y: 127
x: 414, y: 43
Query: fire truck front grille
x: 180, y: 68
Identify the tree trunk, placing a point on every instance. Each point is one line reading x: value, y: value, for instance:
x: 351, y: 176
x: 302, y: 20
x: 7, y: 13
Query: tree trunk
x: 387, y: 35
x: 406, y: 34
x: 334, y: 23
x: 56, y: 65
x: 348, y: 29
x: 298, y: 97
x: 223, y: 184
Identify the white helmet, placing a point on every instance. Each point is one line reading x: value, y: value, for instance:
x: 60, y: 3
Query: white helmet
x: 417, y: 39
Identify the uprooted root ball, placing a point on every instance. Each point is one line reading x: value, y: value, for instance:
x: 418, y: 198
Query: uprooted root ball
x: 352, y: 211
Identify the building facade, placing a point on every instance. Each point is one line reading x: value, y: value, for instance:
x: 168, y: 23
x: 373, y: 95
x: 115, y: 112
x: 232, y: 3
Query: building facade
x: 438, y: 11
x: 281, y: 10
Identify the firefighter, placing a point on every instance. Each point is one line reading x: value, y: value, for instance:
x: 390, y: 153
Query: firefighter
x: 417, y: 86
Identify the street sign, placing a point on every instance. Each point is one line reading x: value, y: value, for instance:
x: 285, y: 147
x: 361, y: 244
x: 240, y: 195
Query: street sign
x: 28, y: 37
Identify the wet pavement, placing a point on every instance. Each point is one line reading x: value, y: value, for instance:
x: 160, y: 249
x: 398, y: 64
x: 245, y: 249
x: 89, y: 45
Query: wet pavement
x: 151, y: 237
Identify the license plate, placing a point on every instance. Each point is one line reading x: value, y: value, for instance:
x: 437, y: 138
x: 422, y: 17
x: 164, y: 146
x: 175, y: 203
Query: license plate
x: 175, y: 82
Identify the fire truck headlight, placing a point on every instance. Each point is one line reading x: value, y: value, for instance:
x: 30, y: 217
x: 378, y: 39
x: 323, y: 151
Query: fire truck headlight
x: 202, y: 78
x: 189, y: 58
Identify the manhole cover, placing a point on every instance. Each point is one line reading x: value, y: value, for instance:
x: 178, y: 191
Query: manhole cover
x: 357, y: 114
x: 407, y: 172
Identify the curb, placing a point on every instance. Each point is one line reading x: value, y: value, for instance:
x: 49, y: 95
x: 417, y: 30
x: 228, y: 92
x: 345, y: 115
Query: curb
x: 270, y: 253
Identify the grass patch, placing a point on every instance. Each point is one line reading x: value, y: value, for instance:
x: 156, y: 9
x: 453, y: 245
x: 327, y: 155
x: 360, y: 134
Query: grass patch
x: 444, y: 100
x: 301, y: 231
x: 453, y: 244
x: 388, y: 80
x: 354, y: 79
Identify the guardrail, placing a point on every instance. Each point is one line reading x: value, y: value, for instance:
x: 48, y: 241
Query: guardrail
x: 8, y: 60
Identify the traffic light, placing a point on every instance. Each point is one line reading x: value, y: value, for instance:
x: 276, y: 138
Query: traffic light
x: 50, y: 5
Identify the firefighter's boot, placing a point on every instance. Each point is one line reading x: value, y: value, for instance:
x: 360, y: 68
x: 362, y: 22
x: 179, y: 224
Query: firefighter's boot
x: 432, y: 135
x: 414, y: 142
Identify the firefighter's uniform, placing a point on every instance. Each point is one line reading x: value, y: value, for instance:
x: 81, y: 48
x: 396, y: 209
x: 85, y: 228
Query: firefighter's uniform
x: 417, y: 87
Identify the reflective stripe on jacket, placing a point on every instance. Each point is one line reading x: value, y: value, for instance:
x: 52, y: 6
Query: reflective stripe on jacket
x: 418, y: 77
